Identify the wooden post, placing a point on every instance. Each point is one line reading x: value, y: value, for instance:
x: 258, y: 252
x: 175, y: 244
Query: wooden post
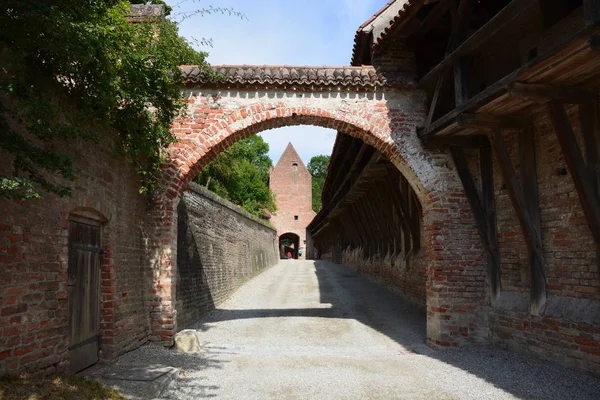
x: 529, y: 226
x: 483, y: 212
x: 585, y: 183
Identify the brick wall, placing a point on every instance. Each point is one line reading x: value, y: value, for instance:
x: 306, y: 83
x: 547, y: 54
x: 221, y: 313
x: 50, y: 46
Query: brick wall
x: 568, y: 329
x: 291, y: 183
x: 220, y: 247
x: 34, y: 309
x: 407, y: 277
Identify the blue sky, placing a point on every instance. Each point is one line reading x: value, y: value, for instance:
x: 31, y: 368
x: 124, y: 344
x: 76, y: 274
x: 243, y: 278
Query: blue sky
x: 276, y: 32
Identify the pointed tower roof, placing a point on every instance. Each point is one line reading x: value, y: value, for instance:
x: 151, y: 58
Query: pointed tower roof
x: 290, y: 153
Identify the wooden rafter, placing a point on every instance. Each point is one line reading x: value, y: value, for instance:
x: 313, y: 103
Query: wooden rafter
x: 509, y: 13
x: 460, y: 19
x: 433, y: 17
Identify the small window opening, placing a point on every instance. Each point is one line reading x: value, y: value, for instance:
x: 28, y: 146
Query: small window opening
x: 295, y: 218
x: 295, y: 166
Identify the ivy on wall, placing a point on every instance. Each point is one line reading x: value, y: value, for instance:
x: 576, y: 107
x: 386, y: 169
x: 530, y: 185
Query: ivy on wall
x: 72, y: 68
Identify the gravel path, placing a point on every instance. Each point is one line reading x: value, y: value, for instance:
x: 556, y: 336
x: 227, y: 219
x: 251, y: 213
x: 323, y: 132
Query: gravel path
x: 321, y: 331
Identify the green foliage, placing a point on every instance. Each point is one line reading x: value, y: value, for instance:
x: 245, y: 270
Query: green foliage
x: 240, y: 174
x: 72, y: 68
x: 317, y: 166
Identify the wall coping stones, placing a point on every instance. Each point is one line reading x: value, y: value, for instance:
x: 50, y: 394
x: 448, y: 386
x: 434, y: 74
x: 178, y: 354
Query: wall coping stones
x: 365, y: 77
x: 194, y: 187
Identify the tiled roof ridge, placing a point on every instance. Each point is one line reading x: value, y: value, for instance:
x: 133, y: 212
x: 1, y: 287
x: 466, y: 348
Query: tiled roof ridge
x: 363, y: 77
x: 216, y: 66
x: 378, y: 41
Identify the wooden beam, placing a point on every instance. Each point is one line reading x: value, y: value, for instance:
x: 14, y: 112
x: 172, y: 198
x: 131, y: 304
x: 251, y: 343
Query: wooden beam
x: 529, y: 187
x: 437, y: 92
x: 545, y: 93
x: 459, y: 24
x: 462, y: 68
x: 588, y: 116
x: 498, y: 88
x: 353, y: 170
x: 489, y: 208
x: 458, y: 19
x: 413, y: 210
x: 488, y: 121
x: 387, y: 210
x: 482, y: 216
x: 528, y: 226
x: 584, y: 182
x: 433, y: 17
x: 401, y: 204
x: 350, y: 151
x: 510, y: 12
x: 402, y: 211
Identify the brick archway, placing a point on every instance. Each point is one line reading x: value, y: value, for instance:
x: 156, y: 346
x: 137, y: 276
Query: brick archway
x: 354, y: 101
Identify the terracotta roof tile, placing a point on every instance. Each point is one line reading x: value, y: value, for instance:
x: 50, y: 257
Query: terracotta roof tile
x: 365, y: 77
x: 380, y: 39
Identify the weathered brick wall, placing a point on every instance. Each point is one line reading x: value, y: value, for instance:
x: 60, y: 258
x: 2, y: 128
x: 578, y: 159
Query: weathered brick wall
x: 220, y: 247
x: 568, y: 329
x: 407, y: 277
x: 292, y: 186
x: 386, y: 120
x: 34, y: 321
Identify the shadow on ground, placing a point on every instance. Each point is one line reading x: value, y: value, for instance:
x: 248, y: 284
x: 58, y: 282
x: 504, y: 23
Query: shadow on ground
x: 353, y: 296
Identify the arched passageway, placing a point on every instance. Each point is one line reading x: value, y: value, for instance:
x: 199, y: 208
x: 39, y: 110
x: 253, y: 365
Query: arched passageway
x: 289, y: 243
x: 356, y: 101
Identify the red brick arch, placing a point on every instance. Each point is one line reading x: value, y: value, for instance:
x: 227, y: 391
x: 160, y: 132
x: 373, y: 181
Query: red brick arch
x: 216, y: 120
x: 196, y: 146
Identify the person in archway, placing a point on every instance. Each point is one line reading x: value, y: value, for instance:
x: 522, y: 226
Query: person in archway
x: 289, y: 255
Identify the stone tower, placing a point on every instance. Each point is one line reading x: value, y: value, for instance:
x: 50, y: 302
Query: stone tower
x: 292, y: 184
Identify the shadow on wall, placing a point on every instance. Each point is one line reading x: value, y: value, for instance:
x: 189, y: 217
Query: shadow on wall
x: 193, y: 294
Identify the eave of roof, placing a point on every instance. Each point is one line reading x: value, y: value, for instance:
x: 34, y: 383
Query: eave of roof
x: 380, y: 39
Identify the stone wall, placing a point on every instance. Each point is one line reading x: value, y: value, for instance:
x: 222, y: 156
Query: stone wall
x: 34, y: 234
x: 220, y: 247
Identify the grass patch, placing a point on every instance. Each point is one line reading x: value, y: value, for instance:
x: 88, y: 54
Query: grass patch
x: 55, y: 387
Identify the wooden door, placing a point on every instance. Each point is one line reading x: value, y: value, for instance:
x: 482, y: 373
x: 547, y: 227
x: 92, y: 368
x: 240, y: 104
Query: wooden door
x: 84, y: 293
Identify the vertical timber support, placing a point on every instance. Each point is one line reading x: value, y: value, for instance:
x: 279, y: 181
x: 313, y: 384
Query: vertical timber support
x: 403, y: 213
x: 584, y: 178
x: 530, y: 226
x: 483, y: 210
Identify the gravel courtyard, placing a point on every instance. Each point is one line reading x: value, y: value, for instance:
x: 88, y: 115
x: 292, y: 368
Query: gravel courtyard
x: 306, y: 330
